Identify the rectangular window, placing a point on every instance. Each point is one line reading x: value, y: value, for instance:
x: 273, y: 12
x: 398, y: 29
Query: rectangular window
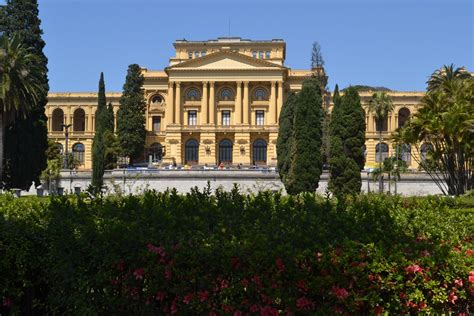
x: 260, y: 54
x: 190, y: 55
x: 267, y: 54
x: 196, y: 54
x: 156, y: 123
x: 225, y: 118
x: 254, y: 54
x: 192, y: 118
x: 260, y: 117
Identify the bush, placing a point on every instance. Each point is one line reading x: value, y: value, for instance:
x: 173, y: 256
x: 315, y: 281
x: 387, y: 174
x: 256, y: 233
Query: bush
x: 234, y: 254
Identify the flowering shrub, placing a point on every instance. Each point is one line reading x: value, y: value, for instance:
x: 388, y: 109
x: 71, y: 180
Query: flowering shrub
x: 233, y: 254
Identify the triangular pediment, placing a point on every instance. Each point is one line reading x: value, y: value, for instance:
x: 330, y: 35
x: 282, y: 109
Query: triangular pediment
x: 225, y: 60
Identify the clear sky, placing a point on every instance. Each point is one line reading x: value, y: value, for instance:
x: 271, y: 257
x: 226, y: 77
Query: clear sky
x: 392, y: 43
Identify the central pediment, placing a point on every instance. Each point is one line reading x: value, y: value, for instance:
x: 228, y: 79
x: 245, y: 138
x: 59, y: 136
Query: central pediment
x: 225, y: 60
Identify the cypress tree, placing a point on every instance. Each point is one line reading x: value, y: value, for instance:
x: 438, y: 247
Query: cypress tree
x: 98, y: 147
x: 26, y: 139
x: 347, y: 136
x: 131, y: 114
x: 306, y: 159
x: 285, y: 136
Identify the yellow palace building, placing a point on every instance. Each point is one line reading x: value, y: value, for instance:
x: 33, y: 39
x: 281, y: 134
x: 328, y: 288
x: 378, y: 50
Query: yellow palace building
x: 217, y: 101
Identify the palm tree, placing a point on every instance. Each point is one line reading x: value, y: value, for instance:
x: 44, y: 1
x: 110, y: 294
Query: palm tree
x: 380, y: 104
x: 443, y: 79
x: 20, y: 83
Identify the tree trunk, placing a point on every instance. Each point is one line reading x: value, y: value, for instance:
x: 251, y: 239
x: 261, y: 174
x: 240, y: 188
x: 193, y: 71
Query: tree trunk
x: 380, y: 162
x: 2, y: 143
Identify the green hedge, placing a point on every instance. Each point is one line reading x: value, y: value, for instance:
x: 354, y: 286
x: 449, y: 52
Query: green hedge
x: 234, y: 254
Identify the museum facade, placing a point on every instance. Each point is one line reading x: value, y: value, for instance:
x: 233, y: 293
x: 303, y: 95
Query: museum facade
x: 217, y: 101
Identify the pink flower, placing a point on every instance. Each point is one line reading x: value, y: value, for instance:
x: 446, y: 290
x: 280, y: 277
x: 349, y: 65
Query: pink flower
x: 280, y: 265
x: 422, y: 305
x: 268, y: 311
x: 254, y: 308
x: 7, y: 302
x: 378, y: 310
x: 469, y: 252
x: 227, y: 308
x: 157, y: 250
x: 174, y: 308
x: 187, y: 299
x: 452, y: 297
x: 138, y: 273
x: 302, y: 285
x: 414, y: 268
x: 458, y: 283
x: 244, y: 282
x: 471, y: 276
x: 160, y: 296
x: 203, y: 295
x: 256, y: 279
x: 340, y: 293
x: 212, y: 313
x: 168, y: 274
x: 304, y: 303
x: 238, y: 313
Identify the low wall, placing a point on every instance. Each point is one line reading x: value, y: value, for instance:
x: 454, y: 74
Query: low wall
x: 135, y: 181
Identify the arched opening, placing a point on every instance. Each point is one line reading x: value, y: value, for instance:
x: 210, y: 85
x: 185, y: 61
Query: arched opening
x: 58, y: 120
x: 225, y: 151
x: 79, y: 122
x: 381, y: 125
x: 156, y: 152
x: 78, y: 151
x: 403, y: 116
x: 425, y: 150
x: 226, y: 94
x: 260, y: 94
x: 381, y: 152
x: 192, y: 94
x: 260, y: 152
x: 406, y: 153
x: 191, y: 152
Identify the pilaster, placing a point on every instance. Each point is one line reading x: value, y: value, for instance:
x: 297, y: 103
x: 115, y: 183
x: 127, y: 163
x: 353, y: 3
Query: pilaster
x: 246, y: 104
x: 178, y: 118
x: 204, y: 104
x: 212, y: 104
x: 169, y: 105
x: 238, y: 104
x: 280, y: 99
x: 272, y: 107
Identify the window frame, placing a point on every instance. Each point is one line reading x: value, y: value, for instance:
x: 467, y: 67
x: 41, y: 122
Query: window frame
x: 225, y: 117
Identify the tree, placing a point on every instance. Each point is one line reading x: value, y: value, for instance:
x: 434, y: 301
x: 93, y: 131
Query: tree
x: 445, y: 123
x: 103, y: 125
x: 317, y: 60
x: 26, y: 159
x: 131, y: 114
x: 306, y: 160
x: 392, y: 166
x: 285, y: 136
x: 347, y: 135
x: 20, y: 83
x: 380, y: 104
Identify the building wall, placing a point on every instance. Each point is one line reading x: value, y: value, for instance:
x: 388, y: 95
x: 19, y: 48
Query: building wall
x: 199, y: 85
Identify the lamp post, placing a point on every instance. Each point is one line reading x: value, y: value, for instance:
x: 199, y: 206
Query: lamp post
x: 66, y: 133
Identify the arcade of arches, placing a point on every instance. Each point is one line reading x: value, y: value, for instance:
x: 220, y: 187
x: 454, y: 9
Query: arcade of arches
x: 221, y: 106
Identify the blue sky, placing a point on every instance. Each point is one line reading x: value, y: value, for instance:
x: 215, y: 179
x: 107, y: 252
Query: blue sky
x: 389, y: 43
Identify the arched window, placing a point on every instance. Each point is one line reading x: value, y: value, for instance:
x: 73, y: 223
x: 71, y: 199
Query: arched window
x: 156, y: 152
x: 226, y: 94
x: 381, y: 125
x: 79, y: 123
x: 156, y: 99
x: 191, y: 152
x: 260, y: 94
x: 403, y: 116
x: 192, y: 94
x: 381, y: 152
x: 260, y: 151
x: 225, y: 151
x: 406, y: 153
x: 78, y: 151
x: 58, y: 120
x: 425, y: 149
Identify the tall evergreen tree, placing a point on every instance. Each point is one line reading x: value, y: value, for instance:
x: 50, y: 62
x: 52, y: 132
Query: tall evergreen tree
x: 131, y: 114
x: 285, y: 136
x: 306, y: 159
x: 347, y: 135
x: 98, y: 147
x: 25, y: 159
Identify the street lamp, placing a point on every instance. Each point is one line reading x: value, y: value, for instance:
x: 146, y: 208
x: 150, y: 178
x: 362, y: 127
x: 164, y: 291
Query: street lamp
x: 66, y: 132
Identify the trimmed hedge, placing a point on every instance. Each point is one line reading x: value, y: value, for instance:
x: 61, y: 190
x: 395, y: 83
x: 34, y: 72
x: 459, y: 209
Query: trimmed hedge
x: 234, y: 254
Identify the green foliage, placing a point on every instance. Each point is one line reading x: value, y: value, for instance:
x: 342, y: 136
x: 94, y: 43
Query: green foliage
x: 131, y: 114
x: 112, y: 150
x: 360, y: 88
x: 306, y: 159
x: 347, y: 135
x: 21, y: 17
x: 228, y: 253
x: 445, y: 120
x: 285, y: 136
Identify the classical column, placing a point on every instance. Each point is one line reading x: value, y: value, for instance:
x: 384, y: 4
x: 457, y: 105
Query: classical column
x: 272, y: 107
x: 170, y: 104
x: 89, y: 120
x: 280, y: 99
x: 238, y: 104
x: 246, y: 104
x: 212, y: 105
x: 178, y: 103
x: 204, y: 104
x: 393, y: 122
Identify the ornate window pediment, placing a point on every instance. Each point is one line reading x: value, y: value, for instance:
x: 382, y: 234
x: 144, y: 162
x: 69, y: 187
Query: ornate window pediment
x: 226, y: 94
x: 260, y: 94
x: 192, y: 94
